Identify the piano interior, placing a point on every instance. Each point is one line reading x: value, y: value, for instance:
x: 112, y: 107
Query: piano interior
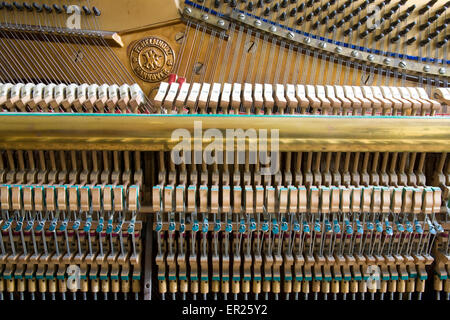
x: 224, y: 149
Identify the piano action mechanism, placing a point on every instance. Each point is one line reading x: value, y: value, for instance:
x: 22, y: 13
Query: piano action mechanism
x: 224, y: 149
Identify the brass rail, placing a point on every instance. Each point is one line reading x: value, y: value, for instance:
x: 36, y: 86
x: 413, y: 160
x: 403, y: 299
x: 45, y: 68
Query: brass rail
x: 154, y: 132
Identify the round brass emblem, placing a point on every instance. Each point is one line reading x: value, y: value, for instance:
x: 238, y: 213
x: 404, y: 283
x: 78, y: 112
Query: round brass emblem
x: 152, y: 59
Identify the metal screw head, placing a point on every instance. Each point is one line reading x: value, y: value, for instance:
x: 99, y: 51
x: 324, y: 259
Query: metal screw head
x: 205, y: 17
x: 257, y: 22
x: 370, y: 57
x: 338, y: 49
x: 221, y: 23
x: 387, y: 61
x: 273, y: 29
x: 355, y: 53
x: 442, y: 71
x: 322, y: 45
x: 187, y: 10
x: 402, y: 64
x: 426, y: 68
x: 290, y: 35
x: 241, y: 16
x: 307, y: 40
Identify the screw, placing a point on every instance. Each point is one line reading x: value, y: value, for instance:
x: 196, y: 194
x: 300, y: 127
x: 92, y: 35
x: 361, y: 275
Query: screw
x: 257, y: 23
x: 402, y: 64
x: 370, y: 57
x: 442, y: 71
x: 322, y: 45
x: 354, y: 53
x: 426, y: 68
x: 221, y: 23
x: 241, y: 16
x: 187, y: 10
x: 387, y: 61
x: 290, y: 35
x: 307, y: 40
x: 273, y: 29
x: 338, y: 49
x: 205, y: 17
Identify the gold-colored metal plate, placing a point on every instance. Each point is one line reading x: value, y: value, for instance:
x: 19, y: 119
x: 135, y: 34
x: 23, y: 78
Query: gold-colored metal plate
x: 154, y: 132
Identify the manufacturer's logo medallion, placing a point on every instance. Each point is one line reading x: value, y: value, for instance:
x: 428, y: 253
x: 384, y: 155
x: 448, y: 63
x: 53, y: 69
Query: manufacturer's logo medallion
x: 152, y: 59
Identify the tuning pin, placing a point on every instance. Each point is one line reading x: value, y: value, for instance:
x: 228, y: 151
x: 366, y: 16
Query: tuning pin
x: 356, y: 11
x: 411, y: 8
x: 405, y: 30
x: 404, y: 16
x: 216, y: 4
x: 379, y: 36
x: 331, y: 28
x: 9, y: 6
x: 395, y: 23
x: 388, y: 14
x: 18, y: 5
x: 395, y: 38
x: 276, y: 7
x: 266, y: 11
x: 36, y: 5
x: 233, y: 4
x: 293, y: 12
x: 433, y: 18
x: 309, y: 16
x: 389, y: 30
x: 364, y: 34
x: 411, y: 40
x: 424, y: 26
x: 441, y: 43
x: 310, y: 3
x: 30, y: 7
x: 424, y: 41
x: 348, y: 17
x: 340, y: 23
x: 442, y: 27
x: 283, y: 16
x: 341, y: 8
x: 96, y: 11
x: 325, y: 7
x: 86, y: 10
x: 315, y: 25
x: 300, y: 21
x: 284, y: 3
x: 434, y: 34
x: 427, y: 7
x: 332, y: 14
x: 301, y: 7
x: 357, y: 25
x: 348, y: 32
x: 324, y: 20
x: 440, y: 11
